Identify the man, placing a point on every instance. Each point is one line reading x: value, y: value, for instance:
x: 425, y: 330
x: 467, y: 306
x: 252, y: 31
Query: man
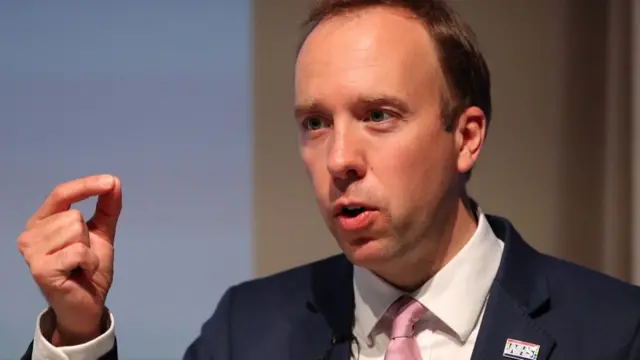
x: 393, y: 105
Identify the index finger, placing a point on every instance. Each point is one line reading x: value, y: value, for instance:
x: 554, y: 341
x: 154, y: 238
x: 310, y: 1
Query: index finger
x: 64, y: 195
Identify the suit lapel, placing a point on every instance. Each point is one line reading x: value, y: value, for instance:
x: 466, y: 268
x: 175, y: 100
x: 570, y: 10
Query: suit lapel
x: 517, y: 297
x: 504, y: 319
x: 323, y: 332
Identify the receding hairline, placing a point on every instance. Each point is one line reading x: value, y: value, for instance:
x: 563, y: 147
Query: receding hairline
x: 313, y: 22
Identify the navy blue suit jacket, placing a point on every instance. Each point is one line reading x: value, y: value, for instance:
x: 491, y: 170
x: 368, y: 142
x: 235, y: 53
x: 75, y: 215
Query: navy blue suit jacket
x: 307, y: 313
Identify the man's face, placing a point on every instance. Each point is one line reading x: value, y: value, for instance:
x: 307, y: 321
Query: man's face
x: 368, y: 94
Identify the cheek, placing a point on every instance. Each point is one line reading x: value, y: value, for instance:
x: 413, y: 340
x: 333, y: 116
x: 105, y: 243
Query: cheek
x: 402, y: 171
x: 405, y: 158
x: 316, y: 169
x: 414, y: 171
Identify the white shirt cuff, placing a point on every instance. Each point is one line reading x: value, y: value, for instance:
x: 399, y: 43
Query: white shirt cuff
x: 92, y: 350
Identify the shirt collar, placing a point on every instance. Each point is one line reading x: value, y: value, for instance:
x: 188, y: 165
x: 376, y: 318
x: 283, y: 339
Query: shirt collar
x: 456, y: 294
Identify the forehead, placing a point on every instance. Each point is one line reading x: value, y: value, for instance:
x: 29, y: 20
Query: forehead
x: 367, y: 52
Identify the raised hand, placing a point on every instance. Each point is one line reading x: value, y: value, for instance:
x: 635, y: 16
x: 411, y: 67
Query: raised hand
x: 71, y: 259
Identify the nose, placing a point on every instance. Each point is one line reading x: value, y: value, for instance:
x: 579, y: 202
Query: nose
x: 346, y: 156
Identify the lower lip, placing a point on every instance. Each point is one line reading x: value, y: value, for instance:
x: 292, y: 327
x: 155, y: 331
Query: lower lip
x: 356, y: 223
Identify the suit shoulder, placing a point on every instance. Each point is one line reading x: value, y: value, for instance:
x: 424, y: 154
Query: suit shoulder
x: 589, y: 285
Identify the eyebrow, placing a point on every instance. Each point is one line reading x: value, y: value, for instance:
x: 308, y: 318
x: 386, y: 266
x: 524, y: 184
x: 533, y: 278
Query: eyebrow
x: 361, y: 102
x: 384, y: 100
x: 309, y: 108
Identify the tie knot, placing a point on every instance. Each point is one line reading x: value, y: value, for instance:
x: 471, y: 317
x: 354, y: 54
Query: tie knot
x: 407, y: 312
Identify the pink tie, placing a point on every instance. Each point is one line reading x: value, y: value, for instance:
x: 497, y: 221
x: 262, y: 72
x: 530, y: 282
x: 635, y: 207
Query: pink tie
x: 403, y: 345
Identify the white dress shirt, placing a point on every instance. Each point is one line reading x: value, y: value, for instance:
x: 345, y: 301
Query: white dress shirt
x: 94, y: 349
x: 455, y: 298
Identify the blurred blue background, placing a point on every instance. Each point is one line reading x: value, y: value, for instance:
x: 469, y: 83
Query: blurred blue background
x: 159, y: 94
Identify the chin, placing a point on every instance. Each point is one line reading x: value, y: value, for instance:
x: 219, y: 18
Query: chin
x: 366, y: 252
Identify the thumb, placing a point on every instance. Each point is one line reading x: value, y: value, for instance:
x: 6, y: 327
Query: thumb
x: 105, y: 218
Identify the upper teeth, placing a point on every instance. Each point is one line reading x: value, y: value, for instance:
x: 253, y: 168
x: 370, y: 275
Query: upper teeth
x: 351, y: 208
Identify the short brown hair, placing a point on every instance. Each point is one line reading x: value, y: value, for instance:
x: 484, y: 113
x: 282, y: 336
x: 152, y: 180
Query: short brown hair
x: 465, y: 70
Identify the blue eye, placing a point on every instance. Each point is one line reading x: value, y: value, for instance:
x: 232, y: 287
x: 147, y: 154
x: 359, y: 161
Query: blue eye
x: 313, y: 123
x: 378, y: 116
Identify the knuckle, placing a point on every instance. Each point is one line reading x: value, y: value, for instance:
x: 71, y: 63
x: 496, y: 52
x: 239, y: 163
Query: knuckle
x: 23, y: 241
x: 74, y: 253
x: 39, y: 272
x: 75, y: 215
x: 76, y: 229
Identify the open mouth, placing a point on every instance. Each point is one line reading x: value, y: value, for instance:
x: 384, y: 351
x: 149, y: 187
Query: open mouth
x: 352, y: 211
x: 354, y: 217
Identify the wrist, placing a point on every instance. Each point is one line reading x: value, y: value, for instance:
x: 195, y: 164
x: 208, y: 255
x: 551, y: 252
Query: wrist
x: 61, y: 337
x: 73, y: 334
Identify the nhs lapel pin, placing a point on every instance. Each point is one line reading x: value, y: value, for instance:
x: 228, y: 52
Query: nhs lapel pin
x: 520, y: 350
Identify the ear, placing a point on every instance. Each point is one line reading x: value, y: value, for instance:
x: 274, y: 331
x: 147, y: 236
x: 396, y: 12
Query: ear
x: 469, y: 137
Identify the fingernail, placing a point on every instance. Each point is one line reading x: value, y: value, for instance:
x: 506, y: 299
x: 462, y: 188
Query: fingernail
x: 106, y: 181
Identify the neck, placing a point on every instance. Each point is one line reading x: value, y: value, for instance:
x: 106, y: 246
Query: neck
x: 458, y: 225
